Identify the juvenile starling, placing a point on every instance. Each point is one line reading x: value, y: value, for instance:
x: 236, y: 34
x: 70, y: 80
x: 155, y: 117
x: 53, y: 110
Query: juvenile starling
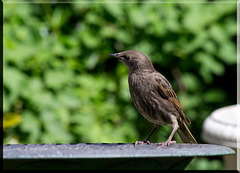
x: 154, y: 97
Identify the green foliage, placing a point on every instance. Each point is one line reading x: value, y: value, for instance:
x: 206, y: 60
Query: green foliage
x: 205, y: 164
x: 59, y: 80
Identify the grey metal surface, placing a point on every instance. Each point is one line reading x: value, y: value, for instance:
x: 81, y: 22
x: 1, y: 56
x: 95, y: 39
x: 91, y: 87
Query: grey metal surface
x: 110, y: 150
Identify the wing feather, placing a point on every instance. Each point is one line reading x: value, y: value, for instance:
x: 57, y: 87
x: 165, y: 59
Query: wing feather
x: 166, y: 91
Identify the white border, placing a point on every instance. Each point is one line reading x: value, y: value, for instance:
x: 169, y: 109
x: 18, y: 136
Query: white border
x: 196, y: 2
x: 122, y: 2
x: 238, y: 83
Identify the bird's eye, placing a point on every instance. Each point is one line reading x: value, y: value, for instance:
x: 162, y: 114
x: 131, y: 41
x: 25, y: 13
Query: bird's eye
x: 127, y: 57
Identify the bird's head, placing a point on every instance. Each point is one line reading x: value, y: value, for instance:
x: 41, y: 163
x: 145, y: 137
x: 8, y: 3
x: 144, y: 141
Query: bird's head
x: 134, y: 60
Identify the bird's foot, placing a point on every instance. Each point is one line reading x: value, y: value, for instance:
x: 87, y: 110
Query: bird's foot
x: 167, y: 143
x: 142, y: 142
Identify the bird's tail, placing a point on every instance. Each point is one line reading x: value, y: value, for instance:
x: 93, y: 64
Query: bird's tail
x: 185, y: 134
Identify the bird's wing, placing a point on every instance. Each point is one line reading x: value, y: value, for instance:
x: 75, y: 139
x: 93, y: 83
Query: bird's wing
x: 166, y: 91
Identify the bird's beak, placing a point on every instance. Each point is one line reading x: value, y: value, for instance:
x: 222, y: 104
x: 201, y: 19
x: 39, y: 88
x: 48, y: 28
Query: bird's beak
x: 114, y: 55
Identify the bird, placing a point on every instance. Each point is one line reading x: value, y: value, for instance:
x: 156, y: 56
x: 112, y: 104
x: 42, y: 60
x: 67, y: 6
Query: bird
x: 154, y: 97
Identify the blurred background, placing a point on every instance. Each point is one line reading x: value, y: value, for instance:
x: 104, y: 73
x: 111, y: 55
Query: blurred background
x: 59, y: 85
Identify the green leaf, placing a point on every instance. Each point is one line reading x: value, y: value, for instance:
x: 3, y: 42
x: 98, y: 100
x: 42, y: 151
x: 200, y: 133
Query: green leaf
x: 56, y: 79
x: 55, y: 132
x: 227, y: 53
x: 215, y: 96
x: 92, y: 61
x: 44, y: 100
x: 124, y: 36
x: 209, y: 64
x: 17, y: 78
x: 89, y: 38
x: 59, y: 17
x: 144, y: 46
x: 32, y: 87
x: 189, y: 102
x: 217, y: 33
x: 138, y: 17
x: 210, y: 47
x: 31, y: 125
x: 191, y: 82
x: 68, y: 99
x: 116, y: 10
x: 14, y: 81
x: 124, y: 88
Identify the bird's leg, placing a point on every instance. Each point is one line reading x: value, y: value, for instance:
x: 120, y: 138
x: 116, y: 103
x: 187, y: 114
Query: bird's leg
x: 169, y: 140
x: 148, y: 137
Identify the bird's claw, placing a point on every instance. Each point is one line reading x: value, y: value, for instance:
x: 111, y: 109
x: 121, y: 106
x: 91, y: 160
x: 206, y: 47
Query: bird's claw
x: 167, y: 143
x: 142, y: 142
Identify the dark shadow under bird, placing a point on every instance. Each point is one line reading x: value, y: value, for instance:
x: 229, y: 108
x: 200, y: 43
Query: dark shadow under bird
x: 154, y: 97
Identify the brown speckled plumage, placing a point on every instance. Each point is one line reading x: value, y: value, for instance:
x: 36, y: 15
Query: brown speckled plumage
x: 154, y: 97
